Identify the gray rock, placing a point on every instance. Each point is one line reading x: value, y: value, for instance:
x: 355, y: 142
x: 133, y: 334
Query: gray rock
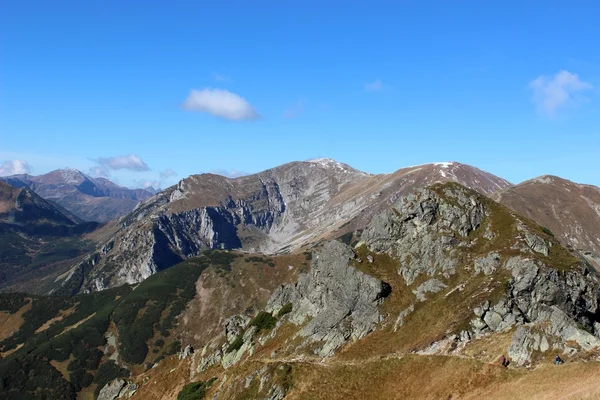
x: 412, y: 231
x: 234, y: 325
x: 536, y: 243
x: 430, y: 286
x: 520, y: 349
x: 341, y: 300
x: 112, y: 389
x: 492, y: 320
x: 487, y: 264
x: 186, y: 352
x: 544, y: 345
x: 403, y: 314
x: 128, y: 391
x: 478, y: 324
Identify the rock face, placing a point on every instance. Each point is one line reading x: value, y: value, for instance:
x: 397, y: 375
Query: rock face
x: 117, y: 389
x: 271, y: 212
x: 340, y: 300
x: 419, y: 230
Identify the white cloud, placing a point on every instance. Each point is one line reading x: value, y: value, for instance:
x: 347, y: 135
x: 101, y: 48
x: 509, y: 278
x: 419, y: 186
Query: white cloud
x: 99, y: 171
x: 130, y: 162
x: 14, y: 167
x: 148, y: 184
x: 374, y: 86
x: 220, y: 103
x: 166, y: 174
x: 550, y: 94
x: 294, y: 111
x: 229, y: 173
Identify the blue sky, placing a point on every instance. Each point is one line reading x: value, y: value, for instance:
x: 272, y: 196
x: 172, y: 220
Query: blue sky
x: 135, y: 89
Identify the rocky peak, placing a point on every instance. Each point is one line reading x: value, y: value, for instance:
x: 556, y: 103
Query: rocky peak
x: 445, y: 230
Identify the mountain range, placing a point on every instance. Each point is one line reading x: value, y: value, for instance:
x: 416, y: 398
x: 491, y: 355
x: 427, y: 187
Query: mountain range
x: 280, y: 210
x: 86, y: 198
x: 442, y: 293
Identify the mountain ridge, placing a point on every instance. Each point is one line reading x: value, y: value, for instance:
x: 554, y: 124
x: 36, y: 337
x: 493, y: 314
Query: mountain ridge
x: 91, y: 199
x: 273, y: 211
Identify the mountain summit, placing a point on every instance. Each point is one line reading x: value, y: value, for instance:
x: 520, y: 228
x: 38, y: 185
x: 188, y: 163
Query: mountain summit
x: 91, y: 199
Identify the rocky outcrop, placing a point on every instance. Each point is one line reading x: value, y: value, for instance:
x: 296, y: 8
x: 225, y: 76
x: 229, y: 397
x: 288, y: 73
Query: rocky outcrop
x: 419, y: 230
x: 429, y: 231
x: 335, y: 302
x: 117, y: 389
x: 338, y: 301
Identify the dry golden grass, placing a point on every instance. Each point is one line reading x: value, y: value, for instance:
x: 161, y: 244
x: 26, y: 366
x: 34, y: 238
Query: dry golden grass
x: 61, y: 366
x: 411, y: 377
x: 164, y: 381
x: 547, y: 382
x: 62, y: 314
x: 10, y: 323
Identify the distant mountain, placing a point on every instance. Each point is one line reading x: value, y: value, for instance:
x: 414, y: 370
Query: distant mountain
x: 570, y: 210
x: 274, y: 211
x: 36, y: 238
x: 91, y: 199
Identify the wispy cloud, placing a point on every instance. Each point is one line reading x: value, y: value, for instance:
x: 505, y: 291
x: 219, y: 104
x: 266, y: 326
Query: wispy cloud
x: 294, y: 111
x: 374, y: 86
x: 166, y: 174
x: 229, y: 173
x: 14, y: 167
x: 553, y: 93
x: 145, y: 184
x: 221, y: 78
x: 99, y: 171
x: 129, y: 162
x: 220, y: 103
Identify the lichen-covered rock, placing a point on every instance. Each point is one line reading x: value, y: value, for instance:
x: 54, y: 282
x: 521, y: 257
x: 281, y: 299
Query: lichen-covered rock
x: 487, y: 264
x: 341, y: 300
x: 112, y: 389
x: 235, y: 325
x: 186, y: 352
x: 536, y: 243
x: 419, y: 230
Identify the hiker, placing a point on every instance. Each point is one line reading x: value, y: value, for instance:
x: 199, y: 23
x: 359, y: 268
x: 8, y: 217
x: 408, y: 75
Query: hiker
x: 558, y: 360
x: 504, y: 361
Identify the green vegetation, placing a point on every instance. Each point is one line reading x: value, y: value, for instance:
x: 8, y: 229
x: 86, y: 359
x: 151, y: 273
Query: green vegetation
x: 237, y: 343
x: 24, y: 255
x: 286, y: 309
x: 32, y: 378
x: 254, y: 259
x: 12, y: 302
x: 547, y: 231
x: 72, y: 330
x: 138, y: 316
x: 195, y: 390
x: 263, y: 321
